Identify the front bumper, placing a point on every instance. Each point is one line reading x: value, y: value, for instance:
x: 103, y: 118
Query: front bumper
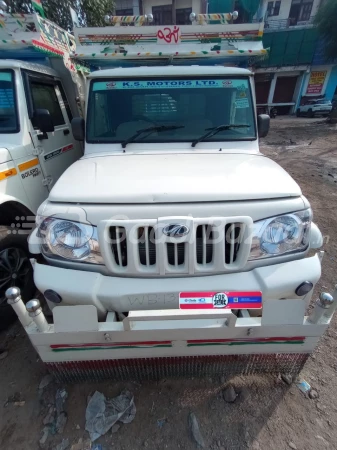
x: 108, y: 293
x: 157, y: 340
x: 322, y: 111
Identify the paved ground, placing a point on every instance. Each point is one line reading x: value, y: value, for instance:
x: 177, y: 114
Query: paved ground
x: 267, y: 415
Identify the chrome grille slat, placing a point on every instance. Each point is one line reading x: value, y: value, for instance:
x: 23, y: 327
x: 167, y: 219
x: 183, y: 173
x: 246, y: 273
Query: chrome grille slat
x: 147, y: 255
x: 204, y: 242
x: 232, y: 238
x: 118, y: 245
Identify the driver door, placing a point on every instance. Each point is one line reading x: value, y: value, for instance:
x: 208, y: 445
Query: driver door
x: 56, y: 150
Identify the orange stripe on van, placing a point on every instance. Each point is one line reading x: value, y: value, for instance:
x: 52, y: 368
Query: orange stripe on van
x: 7, y: 173
x: 28, y: 164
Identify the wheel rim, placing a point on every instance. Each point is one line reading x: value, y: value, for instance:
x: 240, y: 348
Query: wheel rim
x: 14, y: 270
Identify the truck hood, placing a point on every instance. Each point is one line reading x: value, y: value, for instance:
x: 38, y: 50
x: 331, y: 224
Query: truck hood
x: 173, y: 178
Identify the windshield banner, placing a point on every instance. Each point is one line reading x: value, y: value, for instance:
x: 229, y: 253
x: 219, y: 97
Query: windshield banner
x: 162, y: 84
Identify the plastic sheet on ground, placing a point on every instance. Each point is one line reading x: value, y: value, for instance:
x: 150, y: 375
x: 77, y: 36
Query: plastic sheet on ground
x: 101, y: 413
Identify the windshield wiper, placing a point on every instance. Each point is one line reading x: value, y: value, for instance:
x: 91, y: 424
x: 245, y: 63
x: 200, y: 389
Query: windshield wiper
x: 150, y: 130
x: 215, y: 130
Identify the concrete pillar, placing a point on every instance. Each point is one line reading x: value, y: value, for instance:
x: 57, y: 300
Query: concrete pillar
x: 298, y: 92
x: 272, y: 90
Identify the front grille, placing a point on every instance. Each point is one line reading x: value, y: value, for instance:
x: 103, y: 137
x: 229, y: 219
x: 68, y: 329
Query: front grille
x: 204, y: 244
x: 233, y: 239
x: 119, y: 245
x: 147, y: 246
x: 175, y: 253
x: 211, y: 246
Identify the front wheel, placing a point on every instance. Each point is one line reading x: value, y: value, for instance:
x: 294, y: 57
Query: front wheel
x: 15, y: 270
x: 298, y: 112
x: 310, y: 113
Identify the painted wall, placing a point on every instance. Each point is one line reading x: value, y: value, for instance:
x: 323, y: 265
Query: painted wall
x: 194, y: 4
x: 285, y: 9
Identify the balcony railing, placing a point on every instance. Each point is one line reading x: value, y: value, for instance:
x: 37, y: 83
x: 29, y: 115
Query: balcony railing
x: 281, y: 24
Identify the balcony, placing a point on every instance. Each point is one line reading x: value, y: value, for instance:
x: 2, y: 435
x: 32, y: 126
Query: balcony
x: 271, y: 25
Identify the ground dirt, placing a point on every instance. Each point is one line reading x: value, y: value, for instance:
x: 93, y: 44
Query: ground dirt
x: 267, y: 414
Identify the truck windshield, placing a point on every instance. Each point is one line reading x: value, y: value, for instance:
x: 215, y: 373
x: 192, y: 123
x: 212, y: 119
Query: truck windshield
x: 185, y: 109
x: 8, y: 114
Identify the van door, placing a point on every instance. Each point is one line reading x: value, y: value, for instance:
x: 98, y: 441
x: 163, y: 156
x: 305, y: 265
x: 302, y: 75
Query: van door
x: 58, y: 150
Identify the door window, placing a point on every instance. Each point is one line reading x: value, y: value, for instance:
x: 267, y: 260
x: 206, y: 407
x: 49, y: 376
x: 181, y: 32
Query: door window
x: 9, y: 122
x: 44, y: 97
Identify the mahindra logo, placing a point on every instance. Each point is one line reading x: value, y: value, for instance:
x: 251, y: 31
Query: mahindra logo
x: 176, y: 230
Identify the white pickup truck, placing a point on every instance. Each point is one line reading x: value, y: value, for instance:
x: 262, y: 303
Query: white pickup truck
x: 173, y: 241
x: 37, y: 104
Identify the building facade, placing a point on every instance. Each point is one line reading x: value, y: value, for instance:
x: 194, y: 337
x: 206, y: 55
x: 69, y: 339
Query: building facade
x: 164, y: 13
x: 295, y: 70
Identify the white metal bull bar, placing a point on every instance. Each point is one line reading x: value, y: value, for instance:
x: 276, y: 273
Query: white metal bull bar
x: 155, y: 344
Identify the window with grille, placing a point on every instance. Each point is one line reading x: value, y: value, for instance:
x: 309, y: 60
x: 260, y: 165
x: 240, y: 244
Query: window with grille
x: 273, y: 8
x: 306, y: 12
x: 162, y: 15
x: 300, y: 11
x: 124, y: 12
x: 183, y: 16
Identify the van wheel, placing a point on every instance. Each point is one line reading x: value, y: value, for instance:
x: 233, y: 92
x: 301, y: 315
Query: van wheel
x: 15, y: 270
x: 310, y: 113
x: 298, y: 112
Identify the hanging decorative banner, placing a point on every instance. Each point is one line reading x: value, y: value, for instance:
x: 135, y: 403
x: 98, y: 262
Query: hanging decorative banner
x: 170, y: 84
x: 38, y: 8
x: 316, y: 82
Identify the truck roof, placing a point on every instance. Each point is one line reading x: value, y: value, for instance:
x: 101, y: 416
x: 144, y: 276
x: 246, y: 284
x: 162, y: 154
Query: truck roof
x: 17, y: 64
x: 125, y: 72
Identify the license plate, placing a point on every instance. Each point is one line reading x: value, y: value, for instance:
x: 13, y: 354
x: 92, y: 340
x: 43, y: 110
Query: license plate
x: 220, y: 300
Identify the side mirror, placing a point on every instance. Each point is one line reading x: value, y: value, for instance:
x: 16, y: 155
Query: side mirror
x: 263, y: 123
x: 78, y: 127
x: 43, y: 120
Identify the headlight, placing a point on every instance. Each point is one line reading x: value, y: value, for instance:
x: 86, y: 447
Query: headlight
x: 280, y: 235
x: 70, y: 240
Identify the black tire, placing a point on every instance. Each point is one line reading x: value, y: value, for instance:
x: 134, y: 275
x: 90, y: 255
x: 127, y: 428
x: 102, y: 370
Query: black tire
x: 298, y: 112
x: 310, y: 113
x: 15, y: 270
